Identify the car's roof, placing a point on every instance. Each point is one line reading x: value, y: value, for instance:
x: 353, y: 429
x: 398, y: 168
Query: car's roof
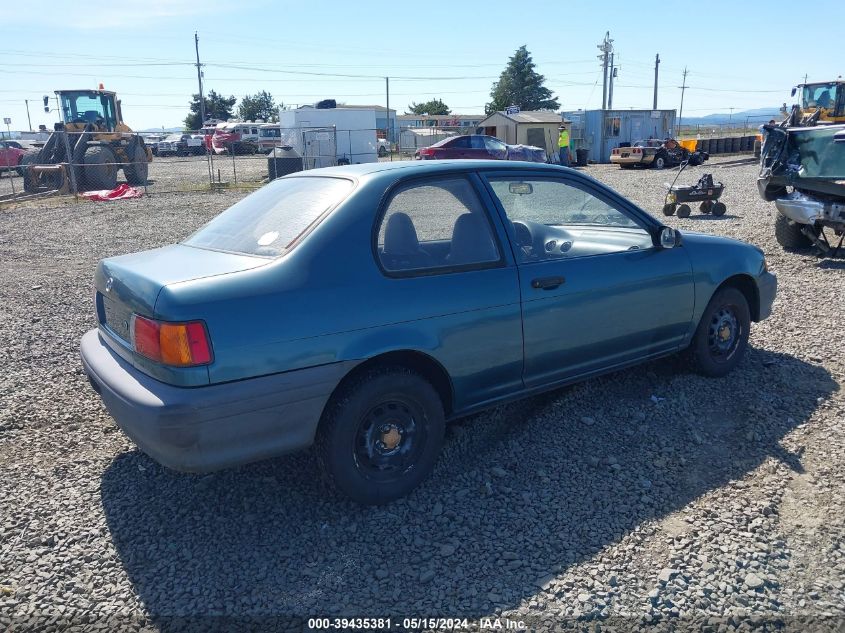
x: 420, y: 167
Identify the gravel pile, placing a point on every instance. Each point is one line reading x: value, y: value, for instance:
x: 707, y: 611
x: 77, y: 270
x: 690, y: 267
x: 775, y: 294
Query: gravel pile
x: 651, y: 496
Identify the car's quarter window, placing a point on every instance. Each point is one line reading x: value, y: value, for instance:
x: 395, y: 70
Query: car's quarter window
x: 553, y: 219
x: 494, y: 145
x: 435, y: 225
x: 269, y: 221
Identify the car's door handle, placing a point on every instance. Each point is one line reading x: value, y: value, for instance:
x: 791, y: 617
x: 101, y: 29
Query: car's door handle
x: 547, y: 283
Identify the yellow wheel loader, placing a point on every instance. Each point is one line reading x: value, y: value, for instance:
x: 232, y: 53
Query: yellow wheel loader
x: 823, y: 102
x: 88, y: 148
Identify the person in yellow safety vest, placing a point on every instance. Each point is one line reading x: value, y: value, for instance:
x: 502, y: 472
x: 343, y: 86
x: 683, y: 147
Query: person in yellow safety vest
x: 563, y: 145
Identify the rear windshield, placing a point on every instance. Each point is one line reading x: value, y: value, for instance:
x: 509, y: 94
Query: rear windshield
x: 266, y: 222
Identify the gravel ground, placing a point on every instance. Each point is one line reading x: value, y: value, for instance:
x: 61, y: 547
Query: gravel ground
x: 649, y: 497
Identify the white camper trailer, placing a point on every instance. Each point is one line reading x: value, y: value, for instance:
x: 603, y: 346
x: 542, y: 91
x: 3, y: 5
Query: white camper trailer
x: 331, y: 136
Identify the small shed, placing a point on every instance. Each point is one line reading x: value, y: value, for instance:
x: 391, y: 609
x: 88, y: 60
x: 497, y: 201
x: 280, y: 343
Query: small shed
x: 599, y: 131
x: 534, y: 127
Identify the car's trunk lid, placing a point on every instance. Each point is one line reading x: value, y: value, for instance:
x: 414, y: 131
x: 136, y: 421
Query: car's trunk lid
x: 131, y: 283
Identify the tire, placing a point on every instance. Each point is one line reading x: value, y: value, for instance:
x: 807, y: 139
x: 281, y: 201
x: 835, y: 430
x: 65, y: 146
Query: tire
x: 789, y: 235
x: 721, y: 337
x: 382, y: 151
x: 659, y: 161
x: 99, y: 171
x: 30, y: 182
x: 136, y: 172
x: 684, y: 211
x: 706, y: 207
x: 384, y: 404
x: 719, y: 209
x: 668, y: 209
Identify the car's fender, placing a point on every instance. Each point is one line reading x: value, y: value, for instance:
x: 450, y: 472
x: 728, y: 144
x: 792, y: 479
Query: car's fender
x: 714, y: 261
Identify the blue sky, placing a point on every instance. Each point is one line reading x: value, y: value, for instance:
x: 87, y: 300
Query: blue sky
x: 742, y: 57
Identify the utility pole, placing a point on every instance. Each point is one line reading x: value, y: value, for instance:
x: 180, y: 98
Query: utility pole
x: 805, y: 78
x: 606, y: 47
x: 681, y: 112
x: 612, y: 76
x: 28, y: 121
x: 656, y: 64
x: 731, y: 118
x: 387, y: 132
x: 199, y: 79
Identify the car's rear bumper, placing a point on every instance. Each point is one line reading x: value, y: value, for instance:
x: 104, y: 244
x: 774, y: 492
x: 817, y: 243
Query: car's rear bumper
x: 202, y: 429
x: 767, y: 287
x: 629, y: 160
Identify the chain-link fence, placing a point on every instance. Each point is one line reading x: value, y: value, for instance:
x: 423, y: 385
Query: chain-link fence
x: 73, y: 163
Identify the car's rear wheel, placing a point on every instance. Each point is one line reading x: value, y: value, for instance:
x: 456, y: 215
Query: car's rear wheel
x: 659, y: 161
x: 721, y: 338
x: 789, y: 234
x: 380, y: 435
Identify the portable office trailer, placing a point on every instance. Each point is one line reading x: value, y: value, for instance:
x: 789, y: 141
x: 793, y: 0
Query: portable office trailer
x: 599, y: 131
x: 353, y: 132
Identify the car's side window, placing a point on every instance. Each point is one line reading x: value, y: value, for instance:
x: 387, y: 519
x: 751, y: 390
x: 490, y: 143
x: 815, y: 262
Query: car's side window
x: 553, y: 219
x: 436, y: 224
x: 477, y: 142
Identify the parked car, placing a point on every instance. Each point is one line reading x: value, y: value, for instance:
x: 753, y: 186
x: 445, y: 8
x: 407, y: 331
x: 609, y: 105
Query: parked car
x: 655, y: 153
x: 480, y: 146
x: 181, y: 145
x: 11, y: 154
x: 360, y: 308
x: 383, y: 147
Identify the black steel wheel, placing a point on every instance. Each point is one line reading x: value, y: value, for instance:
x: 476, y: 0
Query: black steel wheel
x: 721, y: 338
x: 380, y: 435
x: 684, y: 211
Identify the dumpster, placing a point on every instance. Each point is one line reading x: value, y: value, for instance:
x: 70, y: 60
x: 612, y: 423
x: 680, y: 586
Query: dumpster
x: 581, y: 156
x: 688, y: 144
x: 283, y: 161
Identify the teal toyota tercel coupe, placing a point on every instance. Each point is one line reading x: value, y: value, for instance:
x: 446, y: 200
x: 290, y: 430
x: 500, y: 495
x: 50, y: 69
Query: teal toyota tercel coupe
x: 361, y: 308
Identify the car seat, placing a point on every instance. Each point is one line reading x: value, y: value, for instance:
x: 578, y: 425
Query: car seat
x: 471, y: 241
x: 401, y: 246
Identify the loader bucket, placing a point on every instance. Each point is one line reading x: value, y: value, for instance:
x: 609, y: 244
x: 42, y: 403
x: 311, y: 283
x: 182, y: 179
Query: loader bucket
x: 46, y: 178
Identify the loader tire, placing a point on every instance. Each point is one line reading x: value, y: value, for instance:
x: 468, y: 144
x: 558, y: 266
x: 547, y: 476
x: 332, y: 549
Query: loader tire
x: 30, y: 180
x: 100, y: 170
x: 137, y: 169
x: 789, y: 235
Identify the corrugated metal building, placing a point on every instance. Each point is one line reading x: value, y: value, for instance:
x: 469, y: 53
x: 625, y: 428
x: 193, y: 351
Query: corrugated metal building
x: 599, y: 131
x: 534, y: 127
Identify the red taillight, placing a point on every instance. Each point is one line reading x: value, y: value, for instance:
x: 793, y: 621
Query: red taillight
x: 176, y: 344
x: 426, y: 151
x: 614, y: 151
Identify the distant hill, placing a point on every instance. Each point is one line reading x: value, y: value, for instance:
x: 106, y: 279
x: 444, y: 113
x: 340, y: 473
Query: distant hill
x: 159, y: 130
x: 757, y: 115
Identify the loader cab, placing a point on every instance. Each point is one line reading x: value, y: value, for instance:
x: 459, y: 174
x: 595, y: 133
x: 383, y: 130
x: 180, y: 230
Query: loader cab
x: 829, y: 96
x: 97, y: 107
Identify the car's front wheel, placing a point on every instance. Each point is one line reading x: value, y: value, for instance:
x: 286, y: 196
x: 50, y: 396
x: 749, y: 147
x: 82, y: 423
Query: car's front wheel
x: 380, y: 435
x: 721, y: 338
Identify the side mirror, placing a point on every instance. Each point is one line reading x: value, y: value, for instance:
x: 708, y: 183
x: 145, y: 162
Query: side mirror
x: 668, y: 237
x: 794, y: 90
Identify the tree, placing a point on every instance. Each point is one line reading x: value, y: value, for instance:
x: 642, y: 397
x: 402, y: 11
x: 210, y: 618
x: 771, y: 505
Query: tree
x: 258, y: 106
x: 216, y: 107
x: 435, y: 106
x: 520, y: 85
